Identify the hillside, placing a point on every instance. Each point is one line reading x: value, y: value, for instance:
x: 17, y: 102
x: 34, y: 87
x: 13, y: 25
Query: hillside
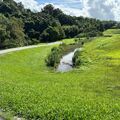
x: 22, y: 27
x: 91, y: 92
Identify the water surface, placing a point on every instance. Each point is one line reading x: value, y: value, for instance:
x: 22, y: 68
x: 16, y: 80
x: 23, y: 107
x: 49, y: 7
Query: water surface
x: 66, y: 63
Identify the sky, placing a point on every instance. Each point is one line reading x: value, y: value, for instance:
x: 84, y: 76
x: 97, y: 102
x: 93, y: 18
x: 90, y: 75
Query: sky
x: 100, y: 9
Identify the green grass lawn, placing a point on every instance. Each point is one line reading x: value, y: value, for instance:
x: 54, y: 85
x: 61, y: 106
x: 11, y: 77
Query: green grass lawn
x: 112, y: 31
x: 91, y: 92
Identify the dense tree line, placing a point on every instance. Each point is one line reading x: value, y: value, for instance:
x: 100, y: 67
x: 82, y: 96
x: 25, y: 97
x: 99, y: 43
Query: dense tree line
x: 20, y: 26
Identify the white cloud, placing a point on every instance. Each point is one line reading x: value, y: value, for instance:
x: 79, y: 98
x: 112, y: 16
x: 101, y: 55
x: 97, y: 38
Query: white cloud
x: 104, y: 9
x: 101, y: 9
x: 30, y: 4
x: 73, y: 11
x: 35, y: 6
x: 115, y: 8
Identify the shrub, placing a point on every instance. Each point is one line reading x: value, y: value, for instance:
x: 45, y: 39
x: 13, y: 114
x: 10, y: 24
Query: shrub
x: 90, y: 34
x: 107, y: 35
x: 53, y: 58
x: 76, y: 59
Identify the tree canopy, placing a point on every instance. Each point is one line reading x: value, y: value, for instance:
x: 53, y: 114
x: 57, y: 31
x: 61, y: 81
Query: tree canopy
x: 20, y: 26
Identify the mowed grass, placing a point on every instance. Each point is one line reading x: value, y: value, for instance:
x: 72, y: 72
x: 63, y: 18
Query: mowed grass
x: 91, y: 92
x: 112, y: 31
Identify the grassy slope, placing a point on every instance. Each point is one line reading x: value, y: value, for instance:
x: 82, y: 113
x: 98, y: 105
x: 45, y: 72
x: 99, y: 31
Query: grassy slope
x: 91, y: 92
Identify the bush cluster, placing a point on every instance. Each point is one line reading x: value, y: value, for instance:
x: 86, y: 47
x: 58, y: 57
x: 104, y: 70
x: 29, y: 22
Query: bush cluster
x: 53, y: 59
x: 77, y: 58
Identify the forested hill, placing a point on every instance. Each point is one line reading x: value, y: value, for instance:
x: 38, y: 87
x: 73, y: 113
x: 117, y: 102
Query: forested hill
x: 20, y: 26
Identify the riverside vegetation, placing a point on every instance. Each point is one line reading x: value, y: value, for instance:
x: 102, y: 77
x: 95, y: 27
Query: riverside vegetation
x: 54, y: 57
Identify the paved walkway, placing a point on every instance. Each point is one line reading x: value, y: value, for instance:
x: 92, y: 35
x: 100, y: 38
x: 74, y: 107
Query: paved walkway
x: 26, y: 47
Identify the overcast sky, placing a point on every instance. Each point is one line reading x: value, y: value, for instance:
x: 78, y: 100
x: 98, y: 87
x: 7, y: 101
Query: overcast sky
x: 101, y: 9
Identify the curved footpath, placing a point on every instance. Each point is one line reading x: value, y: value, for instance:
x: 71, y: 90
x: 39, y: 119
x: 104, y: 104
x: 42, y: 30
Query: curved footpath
x: 26, y: 47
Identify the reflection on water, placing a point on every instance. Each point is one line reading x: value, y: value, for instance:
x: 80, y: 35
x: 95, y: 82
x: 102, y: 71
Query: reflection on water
x: 66, y: 63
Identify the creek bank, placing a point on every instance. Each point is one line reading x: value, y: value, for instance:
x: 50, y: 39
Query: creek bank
x: 61, y: 57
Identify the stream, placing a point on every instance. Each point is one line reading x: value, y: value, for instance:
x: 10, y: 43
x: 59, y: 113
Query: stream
x: 66, y: 63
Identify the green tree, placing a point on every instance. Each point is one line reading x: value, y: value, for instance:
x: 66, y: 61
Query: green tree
x: 11, y: 32
x: 48, y: 9
x: 52, y: 34
x: 71, y: 31
x: 17, y: 32
x: 4, y: 33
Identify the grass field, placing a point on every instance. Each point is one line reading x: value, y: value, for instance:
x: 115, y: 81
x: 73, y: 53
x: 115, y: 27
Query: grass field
x: 30, y: 90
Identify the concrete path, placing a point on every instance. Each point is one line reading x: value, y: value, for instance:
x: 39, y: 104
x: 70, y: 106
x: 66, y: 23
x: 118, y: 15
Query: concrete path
x: 26, y: 47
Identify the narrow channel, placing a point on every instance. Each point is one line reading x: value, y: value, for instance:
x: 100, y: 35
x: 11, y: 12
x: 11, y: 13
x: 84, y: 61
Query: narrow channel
x: 66, y: 63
